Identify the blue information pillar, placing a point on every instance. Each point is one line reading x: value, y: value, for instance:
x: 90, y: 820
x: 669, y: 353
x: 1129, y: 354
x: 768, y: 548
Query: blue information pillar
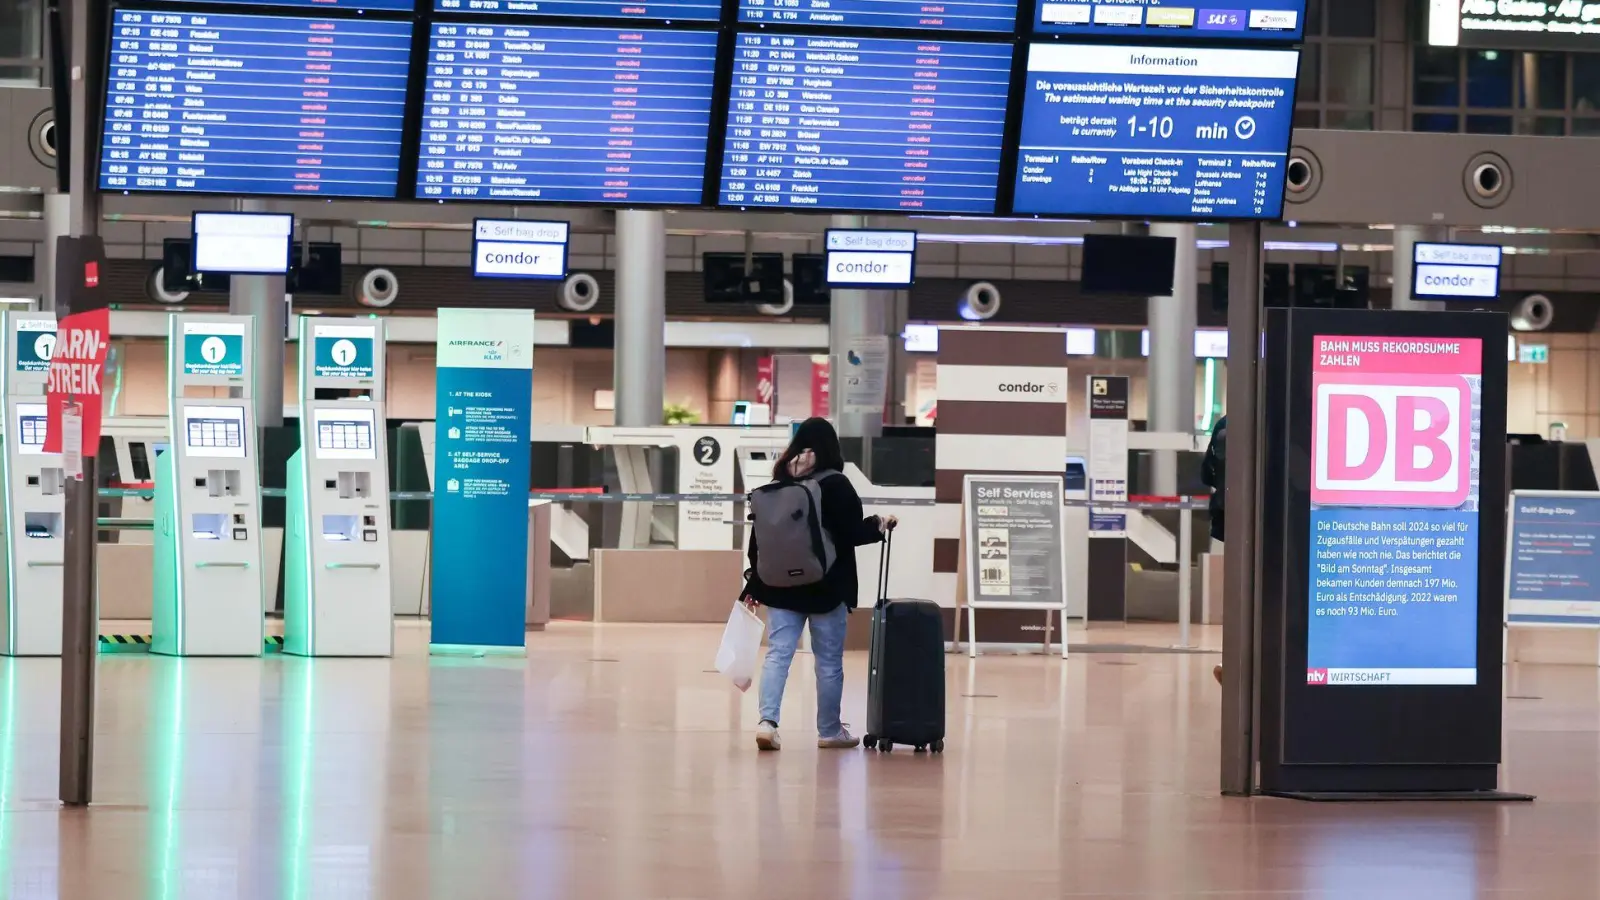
x: 479, y: 581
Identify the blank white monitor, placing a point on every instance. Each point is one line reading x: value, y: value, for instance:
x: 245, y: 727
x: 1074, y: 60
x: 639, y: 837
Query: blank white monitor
x: 242, y: 243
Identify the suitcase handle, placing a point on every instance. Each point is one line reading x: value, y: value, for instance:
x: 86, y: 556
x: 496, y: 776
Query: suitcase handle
x: 883, y: 568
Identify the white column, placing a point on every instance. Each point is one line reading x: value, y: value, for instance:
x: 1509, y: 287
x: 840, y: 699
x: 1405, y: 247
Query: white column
x: 57, y: 223
x: 640, y: 370
x: 854, y: 314
x: 1171, y: 365
x: 263, y: 296
x: 1407, y: 237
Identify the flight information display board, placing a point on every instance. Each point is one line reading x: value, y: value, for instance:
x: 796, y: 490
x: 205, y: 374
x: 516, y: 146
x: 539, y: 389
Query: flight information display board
x: 865, y: 124
x: 674, y: 11
x: 362, y: 5
x: 965, y: 15
x: 566, y: 115
x: 247, y: 104
x: 1163, y: 133
x: 1255, y: 20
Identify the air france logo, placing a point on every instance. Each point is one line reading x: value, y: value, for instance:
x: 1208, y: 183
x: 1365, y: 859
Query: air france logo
x: 1391, y: 440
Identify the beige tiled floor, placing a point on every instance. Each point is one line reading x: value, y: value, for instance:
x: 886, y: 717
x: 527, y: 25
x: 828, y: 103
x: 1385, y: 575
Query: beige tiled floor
x: 610, y: 764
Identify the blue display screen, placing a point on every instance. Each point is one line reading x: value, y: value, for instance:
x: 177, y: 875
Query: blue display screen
x: 969, y: 15
x: 677, y: 10
x: 365, y: 5
x: 566, y: 115
x: 865, y: 124
x: 242, y: 104
x: 1164, y: 133
x: 1223, y: 21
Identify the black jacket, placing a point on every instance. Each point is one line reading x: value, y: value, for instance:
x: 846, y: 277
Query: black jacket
x: 1214, y: 472
x: 842, y: 518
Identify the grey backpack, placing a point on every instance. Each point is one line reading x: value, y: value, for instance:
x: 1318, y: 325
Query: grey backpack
x: 792, y: 547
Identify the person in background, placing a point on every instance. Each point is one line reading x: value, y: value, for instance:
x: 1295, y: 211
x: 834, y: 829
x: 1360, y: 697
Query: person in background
x: 824, y: 605
x: 1214, y: 472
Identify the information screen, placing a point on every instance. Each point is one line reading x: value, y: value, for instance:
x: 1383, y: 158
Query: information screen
x: 1455, y: 271
x: 518, y: 248
x: 966, y: 15
x: 1554, y: 558
x: 364, y: 5
x: 345, y: 433
x: 214, y: 431
x: 1261, y: 20
x: 865, y: 124
x: 675, y: 11
x: 242, y: 104
x: 242, y: 243
x: 1394, y: 511
x: 30, y: 428
x: 567, y: 115
x: 868, y: 258
x: 36, y: 343
x: 1136, y: 132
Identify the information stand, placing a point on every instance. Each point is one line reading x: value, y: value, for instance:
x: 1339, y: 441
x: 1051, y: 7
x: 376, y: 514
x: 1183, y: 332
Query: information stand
x: 207, y: 594
x: 1013, y: 530
x: 337, y: 546
x: 34, y: 492
x: 1382, y: 539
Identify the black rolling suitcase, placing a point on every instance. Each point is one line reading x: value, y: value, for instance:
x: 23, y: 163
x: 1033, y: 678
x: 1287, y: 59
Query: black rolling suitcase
x: 905, y: 682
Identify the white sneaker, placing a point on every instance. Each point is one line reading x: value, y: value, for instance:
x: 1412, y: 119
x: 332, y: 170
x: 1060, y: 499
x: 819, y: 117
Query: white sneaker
x: 844, y: 740
x: 767, y: 736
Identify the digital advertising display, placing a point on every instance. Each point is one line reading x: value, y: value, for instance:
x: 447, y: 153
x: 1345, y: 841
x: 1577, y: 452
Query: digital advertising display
x: 1394, y: 511
x: 1455, y: 272
x: 1155, y: 20
x: 566, y: 115
x: 865, y: 124
x: 244, y: 104
x: 964, y: 15
x: 1515, y: 24
x: 1166, y: 133
x: 1553, y: 558
x: 675, y: 11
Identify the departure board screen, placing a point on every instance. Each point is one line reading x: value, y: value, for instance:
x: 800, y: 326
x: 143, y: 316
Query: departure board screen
x: 363, y: 5
x: 1162, y: 133
x: 1253, y: 20
x: 865, y: 124
x: 566, y: 115
x: 964, y: 15
x: 245, y: 104
x: 673, y: 11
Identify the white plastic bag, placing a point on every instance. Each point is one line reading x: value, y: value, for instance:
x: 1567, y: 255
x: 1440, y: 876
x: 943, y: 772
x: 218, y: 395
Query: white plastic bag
x: 740, y: 652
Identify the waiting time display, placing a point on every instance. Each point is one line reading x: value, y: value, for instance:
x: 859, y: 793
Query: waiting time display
x: 1136, y: 132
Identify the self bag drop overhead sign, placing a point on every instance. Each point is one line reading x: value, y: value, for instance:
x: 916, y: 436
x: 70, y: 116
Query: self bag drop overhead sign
x: 1455, y: 272
x: 509, y: 248
x: 871, y: 259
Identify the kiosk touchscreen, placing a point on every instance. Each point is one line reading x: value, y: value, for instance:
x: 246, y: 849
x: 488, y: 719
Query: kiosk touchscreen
x: 208, y: 562
x: 34, y: 493
x: 337, y: 591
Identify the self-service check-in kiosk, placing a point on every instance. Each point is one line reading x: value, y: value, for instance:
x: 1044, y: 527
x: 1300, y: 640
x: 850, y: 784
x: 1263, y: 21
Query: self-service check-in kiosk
x: 336, y: 589
x: 34, y: 492
x: 207, y: 596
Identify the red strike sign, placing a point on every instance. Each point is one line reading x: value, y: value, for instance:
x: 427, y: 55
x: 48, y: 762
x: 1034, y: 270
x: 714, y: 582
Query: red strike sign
x: 77, y: 368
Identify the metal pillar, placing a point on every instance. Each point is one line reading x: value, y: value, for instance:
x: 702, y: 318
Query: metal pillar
x: 640, y: 370
x: 1240, y: 563
x: 1406, y: 237
x: 853, y: 314
x: 57, y: 224
x: 80, y: 616
x: 265, y: 297
x: 1171, y: 366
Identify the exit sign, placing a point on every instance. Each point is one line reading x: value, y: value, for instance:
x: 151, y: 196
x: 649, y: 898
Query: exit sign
x: 1538, y: 354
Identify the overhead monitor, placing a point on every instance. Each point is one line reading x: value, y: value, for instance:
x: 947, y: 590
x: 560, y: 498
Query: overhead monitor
x: 1514, y: 24
x: 1093, y: 145
x: 399, y: 6
x: 737, y: 278
x: 870, y: 259
x: 345, y: 433
x: 1151, y: 21
x: 242, y: 243
x: 516, y: 248
x: 921, y: 338
x: 31, y: 419
x: 1081, y: 342
x: 1455, y: 272
x: 540, y: 114
x: 962, y: 15
x: 218, y: 103
x: 214, y: 431
x: 864, y: 124
x: 1131, y: 265
x: 672, y: 11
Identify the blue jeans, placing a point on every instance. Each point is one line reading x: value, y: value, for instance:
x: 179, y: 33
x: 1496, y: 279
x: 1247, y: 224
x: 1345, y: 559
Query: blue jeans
x: 827, y: 649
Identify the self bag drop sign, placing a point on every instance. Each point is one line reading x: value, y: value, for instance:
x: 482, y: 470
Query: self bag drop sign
x: 1394, y: 511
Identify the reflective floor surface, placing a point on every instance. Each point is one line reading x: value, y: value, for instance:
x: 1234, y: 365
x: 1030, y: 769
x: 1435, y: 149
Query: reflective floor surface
x: 612, y: 764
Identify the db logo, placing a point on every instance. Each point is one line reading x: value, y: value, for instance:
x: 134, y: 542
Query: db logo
x: 1316, y: 676
x: 1391, y: 440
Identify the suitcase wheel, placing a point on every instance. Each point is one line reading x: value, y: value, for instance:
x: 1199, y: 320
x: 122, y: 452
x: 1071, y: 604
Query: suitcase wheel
x: 937, y: 746
x: 885, y: 745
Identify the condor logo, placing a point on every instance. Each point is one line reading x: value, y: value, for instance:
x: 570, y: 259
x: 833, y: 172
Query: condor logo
x: 1316, y: 676
x: 1028, y: 388
x: 1391, y: 440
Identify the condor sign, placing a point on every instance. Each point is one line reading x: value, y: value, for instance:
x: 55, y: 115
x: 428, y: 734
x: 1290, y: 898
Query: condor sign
x: 512, y: 248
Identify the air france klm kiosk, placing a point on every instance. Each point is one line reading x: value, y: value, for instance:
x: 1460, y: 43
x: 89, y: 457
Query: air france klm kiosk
x: 34, y: 492
x: 208, y: 568
x: 336, y: 588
